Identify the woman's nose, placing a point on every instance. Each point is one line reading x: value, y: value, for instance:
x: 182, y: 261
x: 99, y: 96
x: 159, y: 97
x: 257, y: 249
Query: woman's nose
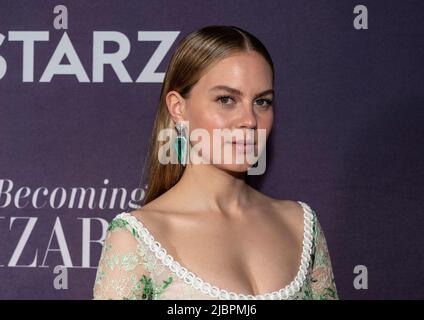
x: 247, y: 117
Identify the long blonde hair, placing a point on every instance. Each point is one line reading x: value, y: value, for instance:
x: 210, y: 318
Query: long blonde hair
x: 197, y: 51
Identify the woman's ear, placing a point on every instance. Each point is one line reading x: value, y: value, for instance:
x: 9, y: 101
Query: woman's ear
x: 176, y: 106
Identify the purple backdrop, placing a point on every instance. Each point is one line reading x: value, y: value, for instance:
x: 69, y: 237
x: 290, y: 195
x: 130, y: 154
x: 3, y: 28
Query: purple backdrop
x: 347, y: 137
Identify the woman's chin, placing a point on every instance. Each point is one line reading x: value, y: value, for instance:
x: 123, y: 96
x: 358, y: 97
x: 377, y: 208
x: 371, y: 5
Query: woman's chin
x: 243, y: 167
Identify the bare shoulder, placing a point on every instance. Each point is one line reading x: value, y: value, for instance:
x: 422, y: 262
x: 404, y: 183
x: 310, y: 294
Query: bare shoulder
x: 290, y: 213
x: 152, y: 217
x: 290, y: 208
x: 143, y: 213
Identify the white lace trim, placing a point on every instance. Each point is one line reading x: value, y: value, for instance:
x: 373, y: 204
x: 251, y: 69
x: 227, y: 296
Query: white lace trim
x: 191, y: 279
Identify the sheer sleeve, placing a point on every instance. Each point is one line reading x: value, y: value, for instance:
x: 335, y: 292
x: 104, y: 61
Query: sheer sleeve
x: 322, y: 281
x: 121, y: 273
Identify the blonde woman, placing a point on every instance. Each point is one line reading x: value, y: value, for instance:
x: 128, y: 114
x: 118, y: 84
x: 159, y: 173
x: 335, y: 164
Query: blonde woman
x: 203, y: 232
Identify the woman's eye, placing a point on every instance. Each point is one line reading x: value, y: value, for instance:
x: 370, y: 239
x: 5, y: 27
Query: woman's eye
x: 224, y: 99
x: 263, y: 103
x: 268, y: 102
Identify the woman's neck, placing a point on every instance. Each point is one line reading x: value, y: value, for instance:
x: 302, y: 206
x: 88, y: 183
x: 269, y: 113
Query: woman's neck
x: 213, y: 189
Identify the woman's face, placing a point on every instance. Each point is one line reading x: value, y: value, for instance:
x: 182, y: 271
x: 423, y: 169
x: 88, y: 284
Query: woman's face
x: 213, y: 105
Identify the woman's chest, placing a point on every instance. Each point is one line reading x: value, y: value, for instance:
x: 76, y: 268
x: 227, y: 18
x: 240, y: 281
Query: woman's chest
x: 248, y: 259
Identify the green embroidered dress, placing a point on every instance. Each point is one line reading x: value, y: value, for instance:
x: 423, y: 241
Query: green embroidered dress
x: 134, y: 266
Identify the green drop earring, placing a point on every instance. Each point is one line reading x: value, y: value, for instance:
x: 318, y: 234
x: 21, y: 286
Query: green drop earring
x: 180, y: 143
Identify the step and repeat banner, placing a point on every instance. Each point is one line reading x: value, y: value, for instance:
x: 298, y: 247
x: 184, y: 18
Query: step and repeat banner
x: 79, y: 87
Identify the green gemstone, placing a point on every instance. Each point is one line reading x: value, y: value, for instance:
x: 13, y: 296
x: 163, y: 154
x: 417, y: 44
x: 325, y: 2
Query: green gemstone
x: 181, y: 146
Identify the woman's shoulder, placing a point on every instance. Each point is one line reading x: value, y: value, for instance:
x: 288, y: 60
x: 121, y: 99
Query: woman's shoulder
x: 132, y: 221
x: 122, y: 235
x: 286, y: 208
x: 157, y: 221
x: 152, y: 216
x: 298, y: 215
x: 293, y: 207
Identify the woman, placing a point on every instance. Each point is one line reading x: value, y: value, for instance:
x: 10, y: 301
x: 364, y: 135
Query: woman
x: 223, y: 238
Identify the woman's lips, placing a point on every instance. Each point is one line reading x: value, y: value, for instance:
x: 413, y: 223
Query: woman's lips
x: 244, y: 146
x: 244, y: 142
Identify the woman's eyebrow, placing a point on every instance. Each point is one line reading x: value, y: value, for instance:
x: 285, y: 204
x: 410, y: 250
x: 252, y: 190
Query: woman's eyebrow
x: 238, y: 92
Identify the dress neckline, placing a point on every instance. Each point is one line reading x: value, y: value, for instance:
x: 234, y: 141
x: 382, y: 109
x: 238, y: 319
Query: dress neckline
x: 198, y: 283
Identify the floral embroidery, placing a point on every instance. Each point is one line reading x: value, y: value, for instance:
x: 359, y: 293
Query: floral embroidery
x: 321, y: 276
x: 117, y: 275
x: 117, y: 224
